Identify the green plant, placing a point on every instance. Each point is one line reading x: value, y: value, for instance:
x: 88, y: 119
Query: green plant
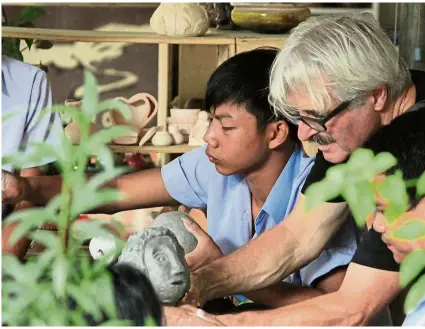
x: 27, y: 16
x: 355, y: 182
x: 38, y: 292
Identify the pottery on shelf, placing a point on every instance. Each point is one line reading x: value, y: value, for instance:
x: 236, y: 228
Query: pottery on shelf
x: 179, y: 20
x: 176, y: 135
x: 72, y: 131
x: 148, y: 135
x: 143, y: 107
x: 269, y: 17
x: 162, y: 138
x: 196, y: 137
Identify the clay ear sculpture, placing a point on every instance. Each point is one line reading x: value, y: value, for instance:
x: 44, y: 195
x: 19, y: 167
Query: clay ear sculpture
x: 173, y: 220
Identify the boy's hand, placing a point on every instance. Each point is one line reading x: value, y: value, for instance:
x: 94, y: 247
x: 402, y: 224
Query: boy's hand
x: 206, y: 251
x: 13, y: 187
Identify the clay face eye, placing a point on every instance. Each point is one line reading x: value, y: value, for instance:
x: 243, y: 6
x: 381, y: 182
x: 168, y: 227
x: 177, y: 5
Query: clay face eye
x: 160, y: 257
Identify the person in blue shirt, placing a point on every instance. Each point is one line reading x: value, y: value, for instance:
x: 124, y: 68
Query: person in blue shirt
x: 248, y: 177
x: 26, y: 117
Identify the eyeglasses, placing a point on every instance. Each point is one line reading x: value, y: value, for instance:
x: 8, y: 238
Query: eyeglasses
x: 320, y: 124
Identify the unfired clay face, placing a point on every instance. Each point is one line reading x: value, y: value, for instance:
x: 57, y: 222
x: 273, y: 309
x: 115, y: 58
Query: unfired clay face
x: 174, y: 222
x: 156, y: 252
x: 167, y: 270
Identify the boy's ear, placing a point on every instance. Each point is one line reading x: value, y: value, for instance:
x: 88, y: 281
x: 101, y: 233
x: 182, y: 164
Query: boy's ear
x: 279, y: 133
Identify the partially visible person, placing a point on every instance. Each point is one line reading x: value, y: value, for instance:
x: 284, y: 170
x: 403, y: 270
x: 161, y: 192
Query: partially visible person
x: 405, y: 139
x: 135, y: 298
x: 26, y: 100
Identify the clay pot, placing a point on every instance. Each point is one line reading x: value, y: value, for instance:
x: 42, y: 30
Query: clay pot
x: 162, y: 138
x: 179, y: 20
x: 72, y: 131
x: 144, y: 108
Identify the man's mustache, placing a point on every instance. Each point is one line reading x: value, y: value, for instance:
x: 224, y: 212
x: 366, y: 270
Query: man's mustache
x: 321, y: 140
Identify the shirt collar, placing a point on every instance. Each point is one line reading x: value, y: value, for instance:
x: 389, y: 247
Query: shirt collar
x: 278, y: 198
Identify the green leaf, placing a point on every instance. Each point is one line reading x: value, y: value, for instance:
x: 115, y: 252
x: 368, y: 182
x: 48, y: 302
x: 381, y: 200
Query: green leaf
x: 117, y: 105
x: 150, y: 322
x: 384, y: 161
x: 103, y: 291
x: 28, y: 222
x: 89, y: 200
x: 27, y: 24
x: 60, y: 275
x: 420, y: 187
x: 84, y: 301
x: 104, y: 136
x: 11, y: 266
x: 77, y: 318
x: 41, y: 263
x: 28, y: 14
x: 320, y: 192
x: 117, y: 323
x: 46, y: 238
x: 393, y: 189
x: 90, y: 98
x: 412, y: 266
x: 412, y: 229
x: 361, y: 199
x: 415, y: 295
x: 102, y: 178
x: 89, y: 229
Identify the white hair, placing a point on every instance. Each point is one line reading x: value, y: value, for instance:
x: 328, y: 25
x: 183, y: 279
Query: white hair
x: 335, y: 58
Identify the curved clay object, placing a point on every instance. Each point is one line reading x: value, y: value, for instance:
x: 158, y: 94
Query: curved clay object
x: 179, y: 20
x: 144, y: 108
x: 148, y: 135
x: 162, y: 138
x: 72, y: 131
x: 174, y: 222
x: 176, y: 135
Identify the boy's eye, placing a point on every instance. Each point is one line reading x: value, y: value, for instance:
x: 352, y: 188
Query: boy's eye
x: 228, y: 128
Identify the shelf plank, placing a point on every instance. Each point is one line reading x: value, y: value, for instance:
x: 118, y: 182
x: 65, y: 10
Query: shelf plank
x: 151, y: 148
x: 212, y: 37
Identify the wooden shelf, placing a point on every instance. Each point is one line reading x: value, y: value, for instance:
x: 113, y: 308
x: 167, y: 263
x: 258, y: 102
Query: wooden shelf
x: 151, y: 149
x: 212, y: 37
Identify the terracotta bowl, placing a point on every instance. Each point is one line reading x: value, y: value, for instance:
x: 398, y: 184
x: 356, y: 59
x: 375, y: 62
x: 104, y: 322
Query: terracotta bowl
x: 269, y: 18
x: 144, y: 108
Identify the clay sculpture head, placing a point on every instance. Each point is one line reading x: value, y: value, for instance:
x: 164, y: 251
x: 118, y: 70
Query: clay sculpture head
x: 157, y: 253
x: 174, y: 222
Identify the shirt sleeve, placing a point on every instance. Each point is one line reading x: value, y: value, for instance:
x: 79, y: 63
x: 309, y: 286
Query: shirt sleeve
x: 338, y: 253
x: 187, y: 178
x: 42, y: 124
x: 373, y: 252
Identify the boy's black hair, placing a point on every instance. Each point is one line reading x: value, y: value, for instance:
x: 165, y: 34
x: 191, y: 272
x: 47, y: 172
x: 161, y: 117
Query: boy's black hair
x: 244, y: 80
x: 405, y: 139
x: 135, y: 297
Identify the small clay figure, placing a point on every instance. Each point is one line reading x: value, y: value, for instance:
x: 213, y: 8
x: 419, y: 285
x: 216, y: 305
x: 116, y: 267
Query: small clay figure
x: 196, y: 137
x: 173, y: 220
x: 162, y: 138
x: 157, y: 253
x: 176, y: 135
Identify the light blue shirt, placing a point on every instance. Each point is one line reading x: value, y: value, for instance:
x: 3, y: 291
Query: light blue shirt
x: 417, y: 317
x: 192, y: 180
x: 26, y: 91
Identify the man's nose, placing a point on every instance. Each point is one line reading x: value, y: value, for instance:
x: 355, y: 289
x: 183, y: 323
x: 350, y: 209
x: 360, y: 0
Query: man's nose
x: 305, y: 132
x: 379, y: 224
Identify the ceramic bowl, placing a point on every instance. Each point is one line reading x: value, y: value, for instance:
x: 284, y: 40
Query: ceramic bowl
x: 185, y: 115
x: 269, y: 18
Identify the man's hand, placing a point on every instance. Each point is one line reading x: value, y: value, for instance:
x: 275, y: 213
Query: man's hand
x: 206, y: 251
x: 188, y: 316
x: 13, y: 187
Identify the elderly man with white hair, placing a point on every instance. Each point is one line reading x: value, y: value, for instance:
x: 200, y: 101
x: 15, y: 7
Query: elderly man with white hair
x: 341, y: 79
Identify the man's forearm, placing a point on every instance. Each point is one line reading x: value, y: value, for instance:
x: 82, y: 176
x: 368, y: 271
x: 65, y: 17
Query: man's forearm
x: 283, y: 294
x: 259, y: 264
x: 330, y: 310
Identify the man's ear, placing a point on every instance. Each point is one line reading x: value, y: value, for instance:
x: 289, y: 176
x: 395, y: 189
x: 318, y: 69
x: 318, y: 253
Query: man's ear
x: 380, y: 96
x: 279, y: 133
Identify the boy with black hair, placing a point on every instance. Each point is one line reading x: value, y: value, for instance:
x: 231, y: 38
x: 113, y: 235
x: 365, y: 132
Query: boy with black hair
x: 248, y: 177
